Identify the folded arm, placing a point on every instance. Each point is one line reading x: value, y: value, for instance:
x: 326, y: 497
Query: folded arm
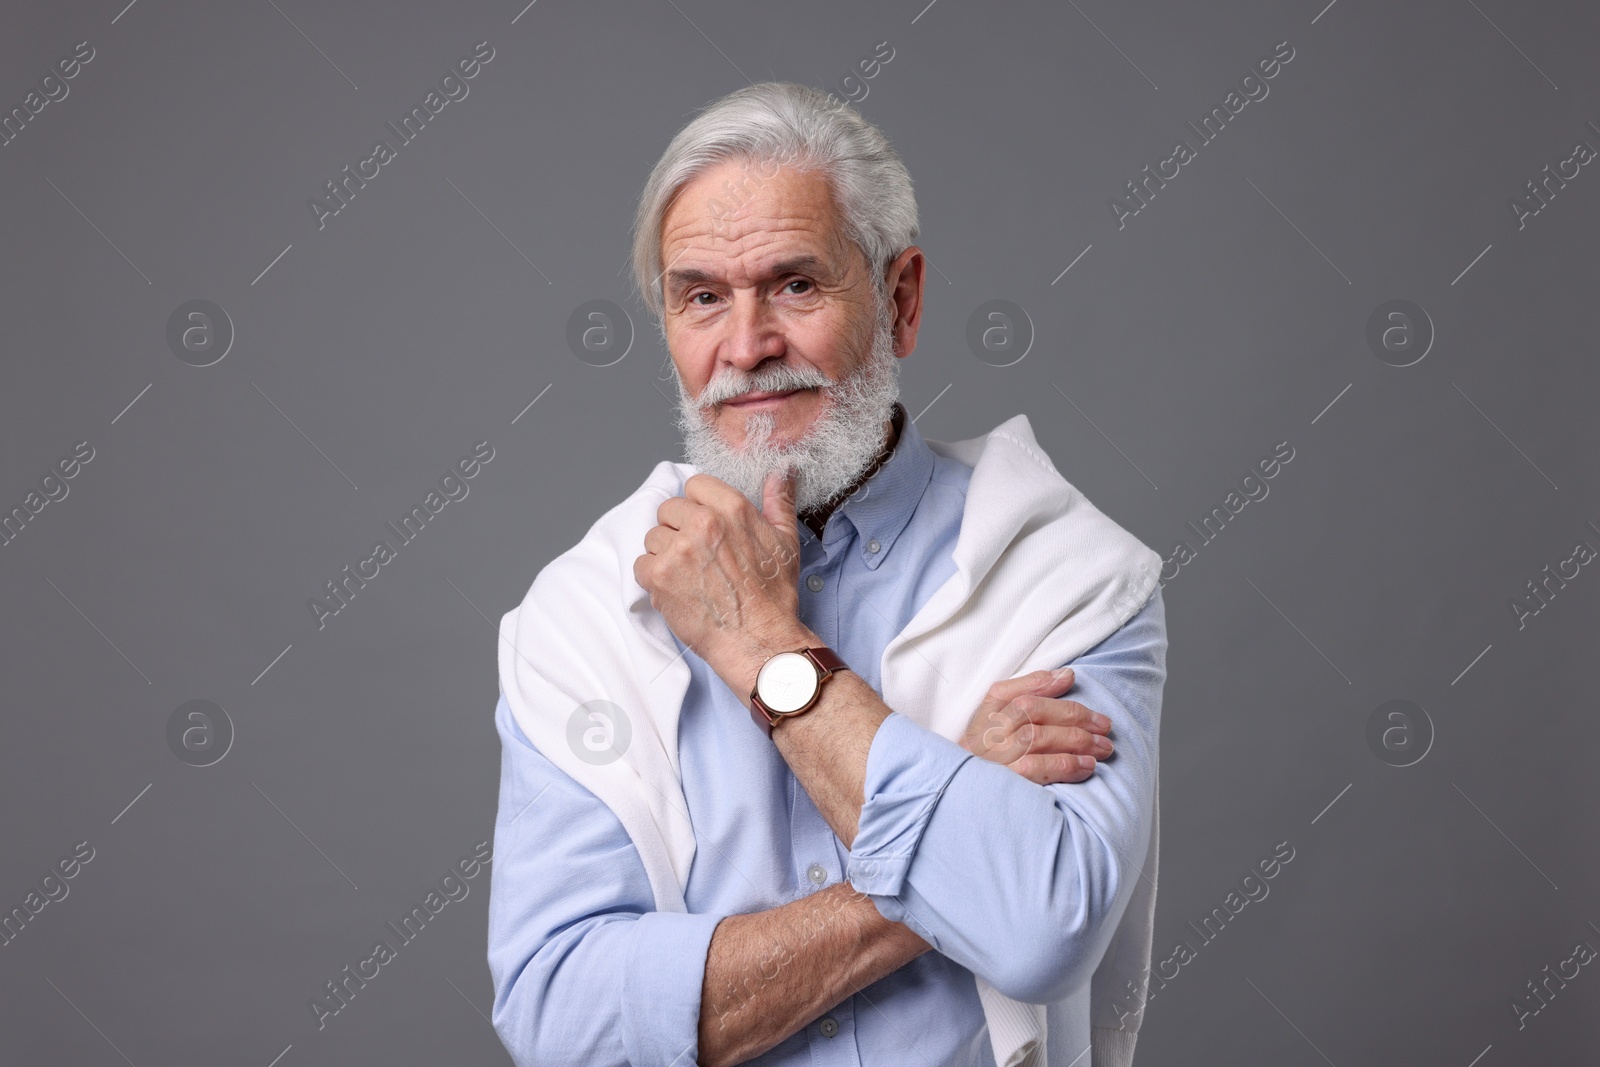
x: 1017, y: 881
x: 587, y: 971
x: 1020, y: 883
x: 1023, y: 884
x: 772, y: 972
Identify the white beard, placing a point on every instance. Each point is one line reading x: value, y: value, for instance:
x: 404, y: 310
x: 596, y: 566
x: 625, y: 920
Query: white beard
x: 843, y: 439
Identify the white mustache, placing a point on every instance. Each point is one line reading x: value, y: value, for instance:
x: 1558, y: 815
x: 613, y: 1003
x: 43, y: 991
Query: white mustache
x: 779, y: 379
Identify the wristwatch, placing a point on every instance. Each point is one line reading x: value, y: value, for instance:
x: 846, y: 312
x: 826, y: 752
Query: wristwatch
x: 789, y: 684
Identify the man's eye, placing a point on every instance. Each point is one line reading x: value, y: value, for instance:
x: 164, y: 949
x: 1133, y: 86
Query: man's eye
x: 698, y: 295
x: 799, y: 281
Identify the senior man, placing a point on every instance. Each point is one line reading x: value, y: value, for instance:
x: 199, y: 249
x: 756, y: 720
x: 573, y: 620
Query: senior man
x: 785, y: 777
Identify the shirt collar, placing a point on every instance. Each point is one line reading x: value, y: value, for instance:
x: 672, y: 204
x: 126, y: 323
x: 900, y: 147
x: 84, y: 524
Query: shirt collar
x: 881, y: 508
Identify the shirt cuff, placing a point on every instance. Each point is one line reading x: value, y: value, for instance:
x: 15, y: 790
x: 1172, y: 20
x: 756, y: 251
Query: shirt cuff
x: 663, y: 974
x: 908, y: 768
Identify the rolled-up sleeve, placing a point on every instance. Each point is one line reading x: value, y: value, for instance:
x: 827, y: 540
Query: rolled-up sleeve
x: 585, y: 969
x: 1021, y: 884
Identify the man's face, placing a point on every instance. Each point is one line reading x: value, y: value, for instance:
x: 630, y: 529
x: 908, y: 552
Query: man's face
x: 759, y: 274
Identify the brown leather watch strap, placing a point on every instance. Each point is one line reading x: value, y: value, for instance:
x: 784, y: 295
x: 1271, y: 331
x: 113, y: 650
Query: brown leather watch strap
x: 826, y: 661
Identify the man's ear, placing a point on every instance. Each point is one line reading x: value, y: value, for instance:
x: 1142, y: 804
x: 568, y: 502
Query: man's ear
x: 905, y: 276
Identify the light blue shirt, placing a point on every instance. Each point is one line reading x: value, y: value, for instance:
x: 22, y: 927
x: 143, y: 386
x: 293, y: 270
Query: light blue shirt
x: 1019, y: 883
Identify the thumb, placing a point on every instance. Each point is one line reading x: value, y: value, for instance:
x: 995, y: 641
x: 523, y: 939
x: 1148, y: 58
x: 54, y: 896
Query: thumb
x: 777, y: 500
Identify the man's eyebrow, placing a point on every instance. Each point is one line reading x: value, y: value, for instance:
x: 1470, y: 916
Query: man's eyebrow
x: 682, y: 277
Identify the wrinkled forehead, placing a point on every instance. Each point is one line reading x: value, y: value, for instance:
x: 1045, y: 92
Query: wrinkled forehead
x: 739, y: 221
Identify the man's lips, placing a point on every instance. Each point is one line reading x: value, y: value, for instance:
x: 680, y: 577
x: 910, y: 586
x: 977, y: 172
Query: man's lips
x: 759, y: 397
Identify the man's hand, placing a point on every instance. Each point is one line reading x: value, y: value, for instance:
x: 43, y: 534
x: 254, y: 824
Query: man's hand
x: 1023, y: 724
x: 724, y: 575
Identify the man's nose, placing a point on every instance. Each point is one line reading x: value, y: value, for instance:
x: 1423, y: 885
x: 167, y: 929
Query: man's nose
x: 753, y: 335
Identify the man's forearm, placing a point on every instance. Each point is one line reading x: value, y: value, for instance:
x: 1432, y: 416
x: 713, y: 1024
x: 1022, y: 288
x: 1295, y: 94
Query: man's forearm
x: 771, y: 972
x: 825, y: 747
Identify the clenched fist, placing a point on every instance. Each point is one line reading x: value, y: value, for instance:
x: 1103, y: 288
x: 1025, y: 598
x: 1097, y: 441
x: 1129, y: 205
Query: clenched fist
x: 724, y: 575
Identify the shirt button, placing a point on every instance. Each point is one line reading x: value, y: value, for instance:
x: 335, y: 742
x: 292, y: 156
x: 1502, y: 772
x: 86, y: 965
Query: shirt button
x: 873, y: 546
x: 829, y: 1027
x: 817, y: 873
x: 815, y: 583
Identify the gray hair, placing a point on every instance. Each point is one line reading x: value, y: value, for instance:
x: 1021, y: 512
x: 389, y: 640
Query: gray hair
x: 784, y: 124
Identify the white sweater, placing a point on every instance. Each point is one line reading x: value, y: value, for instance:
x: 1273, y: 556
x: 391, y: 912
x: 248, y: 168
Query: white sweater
x: 586, y: 631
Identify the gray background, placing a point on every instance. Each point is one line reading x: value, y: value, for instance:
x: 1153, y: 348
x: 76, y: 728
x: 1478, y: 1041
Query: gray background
x: 1225, y: 317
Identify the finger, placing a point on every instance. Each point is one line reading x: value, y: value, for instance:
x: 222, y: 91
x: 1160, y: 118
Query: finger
x: 1061, y: 680
x: 1037, y: 723
x: 1041, y: 740
x: 1000, y: 743
x: 1059, y: 769
x: 1057, y: 682
x: 696, y: 520
x: 777, y: 501
x: 991, y: 731
x: 656, y: 539
x: 711, y: 491
x: 674, y: 512
x: 1058, y: 712
x: 1035, y: 682
x: 997, y: 720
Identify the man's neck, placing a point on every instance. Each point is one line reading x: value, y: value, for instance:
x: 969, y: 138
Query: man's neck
x: 817, y: 518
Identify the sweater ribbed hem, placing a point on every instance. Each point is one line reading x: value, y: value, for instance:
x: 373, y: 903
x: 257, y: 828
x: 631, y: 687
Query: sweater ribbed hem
x: 1111, y: 1048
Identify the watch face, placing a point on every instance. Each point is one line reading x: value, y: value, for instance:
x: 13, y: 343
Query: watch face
x: 786, y: 682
